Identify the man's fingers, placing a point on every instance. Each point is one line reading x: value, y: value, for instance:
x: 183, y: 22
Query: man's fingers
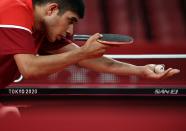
x: 161, y: 75
x: 173, y: 72
x: 95, y: 36
x: 169, y: 72
x: 165, y: 73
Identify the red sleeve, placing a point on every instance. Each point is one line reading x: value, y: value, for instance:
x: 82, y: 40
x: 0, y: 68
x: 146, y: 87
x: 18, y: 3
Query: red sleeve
x: 16, y: 13
x: 16, y: 41
x: 16, y: 22
x: 47, y: 47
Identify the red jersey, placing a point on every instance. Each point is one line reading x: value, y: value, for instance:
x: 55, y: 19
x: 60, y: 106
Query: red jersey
x: 16, y: 37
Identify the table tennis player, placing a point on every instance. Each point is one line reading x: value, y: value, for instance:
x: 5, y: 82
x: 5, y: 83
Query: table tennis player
x: 45, y: 27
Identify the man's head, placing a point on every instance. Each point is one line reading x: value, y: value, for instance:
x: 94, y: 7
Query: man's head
x: 76, y: 6
x: 56, y: 17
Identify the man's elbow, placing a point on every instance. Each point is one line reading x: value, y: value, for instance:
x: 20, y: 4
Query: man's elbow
x: 34, y: 72
x: 28, y: 74
x: 25, y: 65
x: 30, y: 71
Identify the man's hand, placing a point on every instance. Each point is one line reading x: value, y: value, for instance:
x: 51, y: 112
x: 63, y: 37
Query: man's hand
x: 149, y: 72
x: 93, y: 48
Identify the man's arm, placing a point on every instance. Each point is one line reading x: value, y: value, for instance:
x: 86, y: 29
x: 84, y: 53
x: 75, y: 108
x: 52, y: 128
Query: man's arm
x: 34, y: 66
x: 108, y: 65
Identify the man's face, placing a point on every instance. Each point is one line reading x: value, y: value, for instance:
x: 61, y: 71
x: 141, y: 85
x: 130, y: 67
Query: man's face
x: 57, y: 25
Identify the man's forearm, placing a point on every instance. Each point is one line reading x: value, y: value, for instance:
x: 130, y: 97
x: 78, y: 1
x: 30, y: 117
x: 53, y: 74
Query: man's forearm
x: 108, y: 65
x: 32, y: 66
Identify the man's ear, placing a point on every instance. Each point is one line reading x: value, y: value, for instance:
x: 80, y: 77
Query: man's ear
x: 52, y: 8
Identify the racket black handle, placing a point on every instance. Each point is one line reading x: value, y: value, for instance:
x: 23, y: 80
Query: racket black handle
x: 81, y: 37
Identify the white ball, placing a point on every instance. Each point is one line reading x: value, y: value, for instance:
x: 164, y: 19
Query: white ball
x: 159, y: 69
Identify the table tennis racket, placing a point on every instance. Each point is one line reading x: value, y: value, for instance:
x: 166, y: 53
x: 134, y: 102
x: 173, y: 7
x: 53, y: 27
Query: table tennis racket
x: 112, y: 39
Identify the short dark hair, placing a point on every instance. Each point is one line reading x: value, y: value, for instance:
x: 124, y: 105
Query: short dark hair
x: 77, y: 6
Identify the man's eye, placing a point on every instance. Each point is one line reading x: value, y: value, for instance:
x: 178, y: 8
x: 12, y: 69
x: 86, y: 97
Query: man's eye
x: 71, y: 22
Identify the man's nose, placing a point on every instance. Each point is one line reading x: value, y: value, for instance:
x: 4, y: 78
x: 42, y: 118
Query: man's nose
x: 70, y: 29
